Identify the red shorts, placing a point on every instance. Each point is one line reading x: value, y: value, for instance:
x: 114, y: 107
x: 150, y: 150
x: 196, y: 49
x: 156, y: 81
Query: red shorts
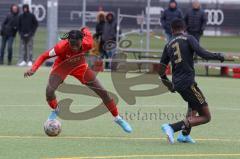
x: 81, y: 72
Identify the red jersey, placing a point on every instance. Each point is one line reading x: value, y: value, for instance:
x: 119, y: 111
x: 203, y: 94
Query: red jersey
x: 63, y: 51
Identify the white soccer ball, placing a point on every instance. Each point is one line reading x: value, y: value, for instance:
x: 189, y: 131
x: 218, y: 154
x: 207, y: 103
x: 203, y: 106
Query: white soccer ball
x: 52, y: 127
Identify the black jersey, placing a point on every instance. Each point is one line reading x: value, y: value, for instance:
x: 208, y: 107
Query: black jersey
x: 180, y: 51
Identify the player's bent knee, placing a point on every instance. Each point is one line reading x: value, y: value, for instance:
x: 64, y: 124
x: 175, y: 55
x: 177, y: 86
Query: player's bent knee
x: 208, y: 119
x: 208, y: 116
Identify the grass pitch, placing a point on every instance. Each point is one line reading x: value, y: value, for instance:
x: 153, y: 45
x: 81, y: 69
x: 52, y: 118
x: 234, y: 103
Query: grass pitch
x: 23, y: 111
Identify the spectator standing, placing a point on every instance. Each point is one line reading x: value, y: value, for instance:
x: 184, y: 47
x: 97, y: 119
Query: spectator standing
x: 168, y: 15
x: 8, y: 32
x: 98, y: 42
x: 195, y: 20
x: 109, y: 35
x: 27, y: 27
x: 100, y: 24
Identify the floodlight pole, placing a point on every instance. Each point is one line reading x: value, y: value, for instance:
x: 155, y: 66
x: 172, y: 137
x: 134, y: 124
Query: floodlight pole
x: 52, y: 26
x: 52, y: 23
x: 148, y: 26
x: 142, y: 30
x: 84, y: 13
x: 118, y: 28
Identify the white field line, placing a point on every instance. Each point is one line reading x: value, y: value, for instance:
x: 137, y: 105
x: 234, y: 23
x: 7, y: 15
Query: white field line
x: 155, y: 156
x: 110, y: 138
x: 234, y: 108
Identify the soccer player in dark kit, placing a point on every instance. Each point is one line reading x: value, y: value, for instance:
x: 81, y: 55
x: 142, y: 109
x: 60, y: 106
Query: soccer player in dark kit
x: 179, y: 51
x: 70, y: 60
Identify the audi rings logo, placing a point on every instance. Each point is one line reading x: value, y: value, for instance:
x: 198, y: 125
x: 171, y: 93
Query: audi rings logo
x: 39, y: 11
x: 215, y: 16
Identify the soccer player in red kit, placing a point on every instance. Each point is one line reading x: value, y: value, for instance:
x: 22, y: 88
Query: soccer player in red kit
x: 75, y: 44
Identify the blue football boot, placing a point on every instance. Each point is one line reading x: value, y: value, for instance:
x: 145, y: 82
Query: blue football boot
x: 53, y: 114
x: 167, y: 129
x: 185, y: 139
x: 123, y: 124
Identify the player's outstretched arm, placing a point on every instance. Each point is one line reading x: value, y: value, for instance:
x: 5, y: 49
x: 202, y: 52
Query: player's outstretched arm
x: 168, y: 83
x: 162, y: 70
x: 39, y: 61
x: 28, y: 73
x: 204, y: 53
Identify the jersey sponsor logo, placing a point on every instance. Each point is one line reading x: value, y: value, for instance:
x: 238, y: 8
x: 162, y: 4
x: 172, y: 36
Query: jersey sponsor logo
x: 215, y: 16
x: 52, y: 53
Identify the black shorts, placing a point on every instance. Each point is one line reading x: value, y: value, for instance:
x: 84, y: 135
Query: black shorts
x: 194, y: 96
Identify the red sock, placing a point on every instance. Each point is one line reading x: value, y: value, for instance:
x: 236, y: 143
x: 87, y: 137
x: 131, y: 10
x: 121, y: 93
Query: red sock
x: 112, y: 108
x: 52, y: 103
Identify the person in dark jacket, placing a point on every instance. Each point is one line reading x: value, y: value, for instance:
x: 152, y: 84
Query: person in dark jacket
x: 109, y: 36
x: 110, y: 28
x: 195, y: 20
x: 168, y: 15
x: 99, y: 30
x: 100, y: 24
x: 27, y: 27
x: 8, y: 33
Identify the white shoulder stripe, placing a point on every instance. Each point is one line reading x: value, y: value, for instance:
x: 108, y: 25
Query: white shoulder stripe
x: 52, y: 53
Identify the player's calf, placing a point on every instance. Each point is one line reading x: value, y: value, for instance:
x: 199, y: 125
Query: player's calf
x: 203, y: 118
x: 54, y: 82
x: 110, y: 104
x: 103, y: 94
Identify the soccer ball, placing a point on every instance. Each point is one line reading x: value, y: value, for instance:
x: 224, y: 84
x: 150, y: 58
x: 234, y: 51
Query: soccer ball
x: 52, y: 127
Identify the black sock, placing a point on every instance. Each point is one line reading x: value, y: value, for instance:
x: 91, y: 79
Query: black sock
x: 181, y: 125
x: 186, y: 131
x: 177, y: 126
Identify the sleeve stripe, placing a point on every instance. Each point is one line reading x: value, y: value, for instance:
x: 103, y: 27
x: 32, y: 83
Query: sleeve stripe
x: 52, y: 53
